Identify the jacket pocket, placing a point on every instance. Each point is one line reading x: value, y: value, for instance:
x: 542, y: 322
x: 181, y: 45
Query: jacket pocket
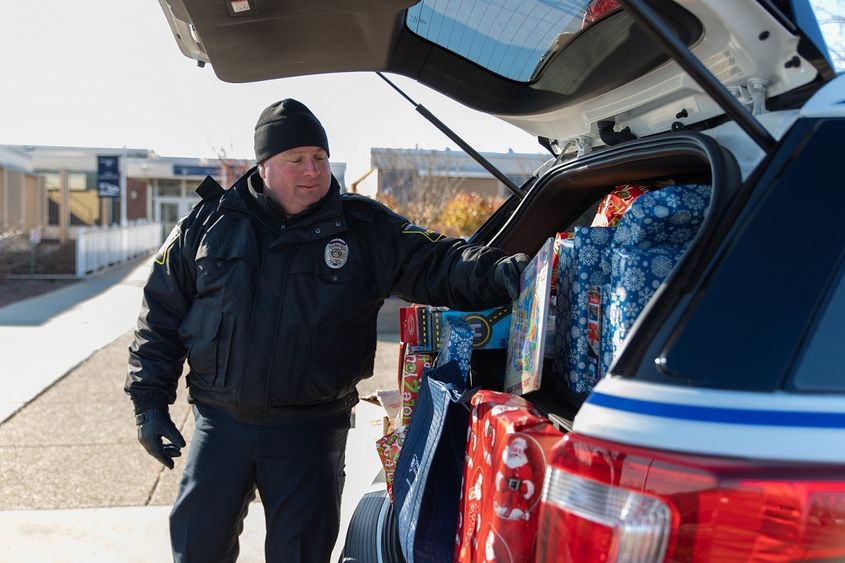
x: 201, y: 333
x: 337, y: 359
x: 226, y: 262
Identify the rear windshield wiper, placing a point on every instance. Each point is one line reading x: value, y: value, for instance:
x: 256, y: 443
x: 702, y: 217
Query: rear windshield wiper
x: 461, y: 143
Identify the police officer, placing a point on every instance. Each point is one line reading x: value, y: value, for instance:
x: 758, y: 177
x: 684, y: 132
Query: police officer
x: 271, y: 290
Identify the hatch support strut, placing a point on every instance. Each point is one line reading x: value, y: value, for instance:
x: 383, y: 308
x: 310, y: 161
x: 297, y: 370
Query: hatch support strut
x: 460, y: 142
x: 657, y: 29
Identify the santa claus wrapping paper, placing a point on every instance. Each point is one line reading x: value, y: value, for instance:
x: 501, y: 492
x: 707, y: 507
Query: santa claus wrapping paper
x: 507, y: 444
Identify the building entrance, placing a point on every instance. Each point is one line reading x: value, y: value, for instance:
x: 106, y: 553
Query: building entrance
x: 168, y: 211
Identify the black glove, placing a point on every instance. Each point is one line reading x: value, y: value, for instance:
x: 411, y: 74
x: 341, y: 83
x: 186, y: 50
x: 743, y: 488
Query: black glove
x: 507, y: 273
x: 153, y: 424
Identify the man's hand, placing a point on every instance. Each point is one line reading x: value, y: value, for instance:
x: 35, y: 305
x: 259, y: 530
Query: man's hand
x: 507, y: 273
x: 153, y: 424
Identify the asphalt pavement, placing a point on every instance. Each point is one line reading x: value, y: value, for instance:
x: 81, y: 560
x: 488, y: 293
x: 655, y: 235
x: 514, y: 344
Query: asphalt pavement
x: 75, y: 485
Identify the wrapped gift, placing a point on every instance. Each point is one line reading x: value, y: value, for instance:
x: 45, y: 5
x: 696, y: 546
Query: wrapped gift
x: 584, y: 275
x: 558, y: 250
x: 413, y: 365
x: 414, y: 328
x: 403, y: 348
x: 456, y: 344
x: 528, y: 334
x: 616, y: 203
x: 491, y: 327
x: 668, y: 217
x: 389, y: 447
x: 598, y: 9
x: 421, y: 326
x: 503, y: 476
x: 649, y: 241
x: 636, y: 275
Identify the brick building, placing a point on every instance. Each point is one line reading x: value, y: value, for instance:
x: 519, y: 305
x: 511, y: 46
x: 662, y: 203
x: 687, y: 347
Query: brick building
x: 158, y: 188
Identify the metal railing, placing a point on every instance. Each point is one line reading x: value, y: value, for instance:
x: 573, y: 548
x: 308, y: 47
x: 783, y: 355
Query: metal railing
x: 102, y: 247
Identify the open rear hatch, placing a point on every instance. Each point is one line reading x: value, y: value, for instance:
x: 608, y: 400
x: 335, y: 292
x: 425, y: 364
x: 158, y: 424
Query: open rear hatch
x: 563, y: 71
x: 602, y: 84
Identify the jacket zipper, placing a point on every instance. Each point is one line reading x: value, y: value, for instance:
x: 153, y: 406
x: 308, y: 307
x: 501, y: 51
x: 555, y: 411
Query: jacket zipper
x: 269, y: 371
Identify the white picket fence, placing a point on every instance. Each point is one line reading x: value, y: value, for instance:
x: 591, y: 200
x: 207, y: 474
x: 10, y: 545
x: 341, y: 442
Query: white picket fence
x: 101, y: 247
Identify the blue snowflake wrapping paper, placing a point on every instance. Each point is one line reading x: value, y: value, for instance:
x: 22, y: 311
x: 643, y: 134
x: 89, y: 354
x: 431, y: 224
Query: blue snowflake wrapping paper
x: 636, y: 275
x: 668, y: 217
x: 649, y: 241
x: 583, y: 270
x: 456, y: 344
x: 563, y: 307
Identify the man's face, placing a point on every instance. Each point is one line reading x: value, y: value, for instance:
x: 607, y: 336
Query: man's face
x: 296, y: 178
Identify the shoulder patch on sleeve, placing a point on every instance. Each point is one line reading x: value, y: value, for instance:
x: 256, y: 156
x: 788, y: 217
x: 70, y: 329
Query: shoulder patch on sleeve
x: 161, y: 255
x: 416, y: 230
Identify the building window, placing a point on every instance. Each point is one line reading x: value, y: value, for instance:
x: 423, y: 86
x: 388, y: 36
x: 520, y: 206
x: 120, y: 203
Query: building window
x: 78, y: 181
x: 169, y: 188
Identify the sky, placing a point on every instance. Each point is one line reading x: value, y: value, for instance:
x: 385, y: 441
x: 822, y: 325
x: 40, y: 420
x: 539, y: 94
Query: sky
x: 108, y: 73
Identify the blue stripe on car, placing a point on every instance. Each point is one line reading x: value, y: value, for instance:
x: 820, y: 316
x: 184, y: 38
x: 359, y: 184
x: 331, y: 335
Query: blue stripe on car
x: 719, y: 414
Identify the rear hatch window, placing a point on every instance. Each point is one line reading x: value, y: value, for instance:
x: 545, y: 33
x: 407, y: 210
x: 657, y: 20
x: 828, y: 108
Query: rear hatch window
x: 572, y: 48
x: 511, y: 39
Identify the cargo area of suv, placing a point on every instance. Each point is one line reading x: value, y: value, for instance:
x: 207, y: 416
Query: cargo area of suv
x: 689, y: 361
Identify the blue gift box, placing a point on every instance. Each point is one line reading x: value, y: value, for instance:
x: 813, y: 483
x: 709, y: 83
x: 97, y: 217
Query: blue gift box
x: 583, y: 275
x: 636, y: 275
x: 648, y: 243
x: 456, y: 344
x: 668, y: 217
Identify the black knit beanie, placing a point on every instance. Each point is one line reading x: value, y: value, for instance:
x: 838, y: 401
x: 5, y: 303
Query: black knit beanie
x: 286, y: 125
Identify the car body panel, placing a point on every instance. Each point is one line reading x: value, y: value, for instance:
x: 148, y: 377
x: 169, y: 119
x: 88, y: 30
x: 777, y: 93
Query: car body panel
x: 764, y: 426
x: 828, y: 101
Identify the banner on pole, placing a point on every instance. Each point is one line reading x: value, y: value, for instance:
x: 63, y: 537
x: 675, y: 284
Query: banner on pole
x: 108, y: 176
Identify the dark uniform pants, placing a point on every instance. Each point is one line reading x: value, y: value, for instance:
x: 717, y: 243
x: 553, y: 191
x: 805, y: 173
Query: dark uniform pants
x: 297, y: 468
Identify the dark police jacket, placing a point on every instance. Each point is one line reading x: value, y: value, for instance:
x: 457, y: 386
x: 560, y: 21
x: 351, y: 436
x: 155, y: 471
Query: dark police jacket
x: 277, y: 317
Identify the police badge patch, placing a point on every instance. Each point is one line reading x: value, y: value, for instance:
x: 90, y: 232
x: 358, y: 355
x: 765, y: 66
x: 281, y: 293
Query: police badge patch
x: 337, y: 252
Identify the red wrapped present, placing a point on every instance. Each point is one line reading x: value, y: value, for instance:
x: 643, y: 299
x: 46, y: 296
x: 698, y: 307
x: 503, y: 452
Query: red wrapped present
x: 507, y: 446
x: 597, y: 10
x: 414, y: 326
x: 616, y: 203
x: 412, y: 370
x: 400, y: 364
x: 388, y: 451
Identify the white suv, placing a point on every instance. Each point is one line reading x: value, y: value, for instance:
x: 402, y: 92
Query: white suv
x: 717, y: 432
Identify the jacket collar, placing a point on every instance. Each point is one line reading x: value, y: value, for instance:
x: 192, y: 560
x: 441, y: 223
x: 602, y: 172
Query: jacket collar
x: 247, y: 196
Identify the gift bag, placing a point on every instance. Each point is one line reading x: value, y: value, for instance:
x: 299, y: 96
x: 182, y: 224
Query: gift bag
x: 427, y: 483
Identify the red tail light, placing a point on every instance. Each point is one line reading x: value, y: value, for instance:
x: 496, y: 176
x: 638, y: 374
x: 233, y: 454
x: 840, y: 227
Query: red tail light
x: 607, y: 502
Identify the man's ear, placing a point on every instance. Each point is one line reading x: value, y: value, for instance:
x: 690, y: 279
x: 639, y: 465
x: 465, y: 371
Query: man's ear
x: 262, y: 170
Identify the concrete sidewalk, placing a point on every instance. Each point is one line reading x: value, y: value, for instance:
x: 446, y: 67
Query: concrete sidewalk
x: 75, y: 485
x: 43, y: 337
